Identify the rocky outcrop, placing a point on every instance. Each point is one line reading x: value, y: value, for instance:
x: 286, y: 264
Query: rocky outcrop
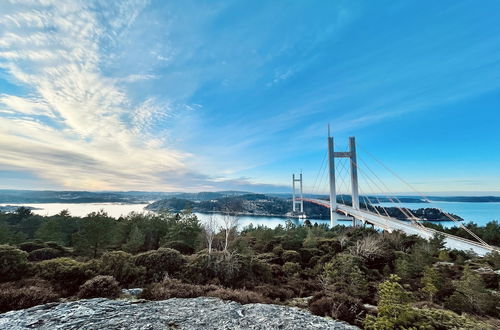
x: 194, y: 313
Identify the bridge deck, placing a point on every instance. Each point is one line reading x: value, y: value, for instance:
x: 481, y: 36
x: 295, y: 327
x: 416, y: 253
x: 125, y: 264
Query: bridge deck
x: 390, y: 224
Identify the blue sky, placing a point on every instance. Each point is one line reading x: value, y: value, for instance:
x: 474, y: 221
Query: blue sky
x: 215, y: 95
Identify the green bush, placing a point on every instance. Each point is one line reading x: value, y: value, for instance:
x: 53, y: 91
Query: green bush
x: 159, y: 263
x: 121, y: 266
x: 13, y: 263
x: 471, y: 296
x: 228, y: 269
x: 100, y: 286
x: 344, y: 274
x: 329, y: 245
x: 25, y: 293
x: 44, y: 254
x: 180, y: 246
x: 64, y: 273
x: 32, y: 246
x: 291, y: 268
x: 291, y: 256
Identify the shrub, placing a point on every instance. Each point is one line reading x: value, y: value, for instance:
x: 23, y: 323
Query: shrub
x: 291, y: 256
x: 160, y: 262
x: 172, y: 288
x: 269, y: 258
x: 344, y: 274
x: 471, y: 296
x: 64, y: 273
x: 278, y: 250
x: 261, y: 271
x: 121, y: 266
x: 100, y: 286
x: 307, y: 255
x: 329, y: 245
x: 338, y: 306
x: 32, y: 246
x: 239, y: 295
x: 25, y: 293
x: 274, y: 292
x: 44, y: 254
x: 291, y: 268
x: 180, y: 246
x: 229, y: 269
x: 13, y: 263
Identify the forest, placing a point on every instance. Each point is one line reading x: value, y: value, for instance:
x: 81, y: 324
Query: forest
x: 369, y: 278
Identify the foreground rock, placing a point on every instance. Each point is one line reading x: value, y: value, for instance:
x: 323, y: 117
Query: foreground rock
x: 194, y: 313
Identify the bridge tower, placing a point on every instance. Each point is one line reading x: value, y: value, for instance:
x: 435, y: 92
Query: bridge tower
x: 351, y: 154
x: 297, y: 201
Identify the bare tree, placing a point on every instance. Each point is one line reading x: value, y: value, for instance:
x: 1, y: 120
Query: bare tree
x: 229, y: 224
x: 209, y: 230
x: 369, y: 247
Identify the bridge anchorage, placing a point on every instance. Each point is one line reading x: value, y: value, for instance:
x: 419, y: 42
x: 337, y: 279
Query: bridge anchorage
x: 376, y: 215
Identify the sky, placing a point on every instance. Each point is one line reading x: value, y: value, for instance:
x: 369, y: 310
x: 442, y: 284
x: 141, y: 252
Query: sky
x: 237, y: 95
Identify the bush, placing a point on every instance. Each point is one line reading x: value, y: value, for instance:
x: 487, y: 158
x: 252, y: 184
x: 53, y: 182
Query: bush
x: 160, y: 262
x: 291, y: 256
x: 274, y: 292
x: 13, y: 263
x: 241, y: 296
x: 121, y: 266
x: 100, y: 286
x: 329, y: 245
x: 32, y: 246
x: 291, y: 268
x: 228, y: 269
x: 344, y: 274
x: 25, y: 294
x: 180, y: 246
x: 173, y: 288
x: 338, y: 306
x: 64, y: 273
x: 44, y: 254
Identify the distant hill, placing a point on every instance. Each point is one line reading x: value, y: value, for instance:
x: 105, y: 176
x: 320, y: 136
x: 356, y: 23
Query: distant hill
x: 48, y: 196
x: 466, y: 199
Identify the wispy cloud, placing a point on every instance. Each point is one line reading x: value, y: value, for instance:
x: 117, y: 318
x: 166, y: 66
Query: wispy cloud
x: 78, y: 127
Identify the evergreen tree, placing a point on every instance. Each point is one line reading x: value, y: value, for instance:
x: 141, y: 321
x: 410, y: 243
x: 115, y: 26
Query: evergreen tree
x: 135, y: 240
x: 50, y: 230
x: 97, y: 233
x: 430, y: 283
x: 344, y: 274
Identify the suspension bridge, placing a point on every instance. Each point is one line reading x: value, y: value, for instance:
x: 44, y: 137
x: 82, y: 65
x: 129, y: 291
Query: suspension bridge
x: 370, y: 210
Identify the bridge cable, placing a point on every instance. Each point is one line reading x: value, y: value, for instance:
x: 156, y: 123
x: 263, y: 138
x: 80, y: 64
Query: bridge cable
x: 427, y: 199
x: 319, y: 171
x: 405, y: 211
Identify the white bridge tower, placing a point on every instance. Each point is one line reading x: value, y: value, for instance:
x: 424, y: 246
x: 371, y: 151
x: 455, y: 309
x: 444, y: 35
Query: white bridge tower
x: 351, y: 154
x: 297, y: 201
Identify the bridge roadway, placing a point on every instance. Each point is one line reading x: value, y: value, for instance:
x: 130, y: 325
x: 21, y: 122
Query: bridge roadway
x: 390, y: 224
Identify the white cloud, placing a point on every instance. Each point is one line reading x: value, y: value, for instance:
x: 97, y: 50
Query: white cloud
x: 83, y: 139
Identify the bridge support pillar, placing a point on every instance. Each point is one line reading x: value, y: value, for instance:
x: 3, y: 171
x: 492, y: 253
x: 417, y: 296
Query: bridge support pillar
x: 354, y: 176
x: 296, y: 201
x: 331, y: 174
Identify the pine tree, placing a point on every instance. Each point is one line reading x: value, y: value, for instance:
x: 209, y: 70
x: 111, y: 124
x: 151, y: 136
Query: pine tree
x: 430, y: 283
x: 135, y: 240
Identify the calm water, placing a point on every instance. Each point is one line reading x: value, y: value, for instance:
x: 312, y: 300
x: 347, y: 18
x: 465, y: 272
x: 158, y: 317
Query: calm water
x: 480, y: 213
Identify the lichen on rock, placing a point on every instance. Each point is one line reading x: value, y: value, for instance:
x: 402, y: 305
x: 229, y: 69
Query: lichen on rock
x: 194, y: 313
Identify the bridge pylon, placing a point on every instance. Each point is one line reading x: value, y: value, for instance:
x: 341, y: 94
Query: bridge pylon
x: 351, y: 154
x: 297, y: 201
